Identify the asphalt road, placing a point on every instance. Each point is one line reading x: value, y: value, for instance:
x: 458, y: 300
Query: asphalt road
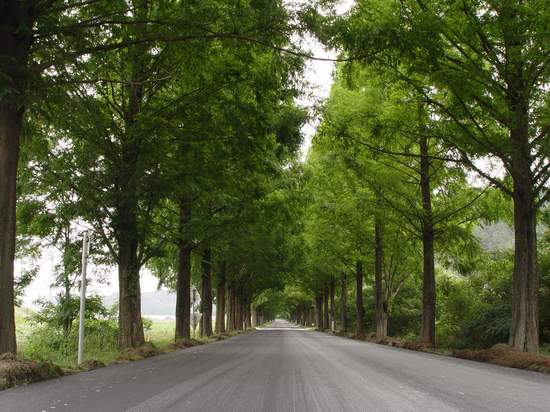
x: 285, y: 369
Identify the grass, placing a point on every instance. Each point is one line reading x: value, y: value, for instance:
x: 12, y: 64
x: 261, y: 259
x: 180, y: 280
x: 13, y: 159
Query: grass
x: 43, y: 345
x: 44, y: 352
x: 23, y: 327
x: 161, y: 332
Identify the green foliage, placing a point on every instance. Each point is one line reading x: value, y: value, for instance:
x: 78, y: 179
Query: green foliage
x: 475, y: 311
x: 175, y: 126
x: 147, y: 324
x: 62, y: 312
x: 53, y: 345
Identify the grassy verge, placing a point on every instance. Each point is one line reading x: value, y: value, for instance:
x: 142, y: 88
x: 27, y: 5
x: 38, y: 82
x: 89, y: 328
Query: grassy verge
x: 43, y: 354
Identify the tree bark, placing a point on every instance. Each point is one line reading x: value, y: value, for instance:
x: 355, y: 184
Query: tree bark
x: 10, y: 129
x: 183, y: 287
x: 360, y: 322
x: 240, y: 313
x: 343, y: 303
x: 229, y: 326
x: 427, y: 333
x: 66, y: 281
x: 380, y: 306
x: 125, y: 224
x: 125, y: 227
x: 234, y: 307
x: 206, y: 293
x: 332, y: 288
x: 326, y: 309
x: 524, y: 331
x: 248, y: 316
x: 15, y: 42
x: 238, y: 308
x: 254, y: 317
x: 319, y: 309
x: 129, y: 304
x: 220, y: 299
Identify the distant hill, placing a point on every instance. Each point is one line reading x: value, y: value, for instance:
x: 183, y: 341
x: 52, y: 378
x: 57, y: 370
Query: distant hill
x: 157, y: 303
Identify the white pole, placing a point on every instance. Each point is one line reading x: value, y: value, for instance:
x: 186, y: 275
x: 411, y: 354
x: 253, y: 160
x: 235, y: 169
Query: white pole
x: 85, y: 251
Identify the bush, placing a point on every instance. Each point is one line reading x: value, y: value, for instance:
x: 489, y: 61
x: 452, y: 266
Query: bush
x: 474, y: 311
x: 51, y: 344
x: 52, y: 339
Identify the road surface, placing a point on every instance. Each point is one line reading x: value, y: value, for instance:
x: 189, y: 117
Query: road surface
x: 286, y: 369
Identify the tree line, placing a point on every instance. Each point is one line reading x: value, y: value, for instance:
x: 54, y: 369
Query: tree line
x: 170, y: 129
x: 164, y: 128
x: 437, y: 124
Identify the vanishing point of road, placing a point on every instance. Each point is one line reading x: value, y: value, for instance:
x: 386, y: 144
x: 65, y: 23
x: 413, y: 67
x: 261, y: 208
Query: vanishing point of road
x: 288, y: 369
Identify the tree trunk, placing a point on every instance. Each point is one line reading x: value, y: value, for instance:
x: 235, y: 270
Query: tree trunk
x: 326, y: 311
x: 343, y: 303
x: 206, y: 293
x: 129, y: 303
x: 15, y: 41
x: 130, y: 322
x: 524, y: 331
x: 234, y: 309
x: 183, y: 287
x: 319, y: 309
x: 248, y: 318
x: 238, y: 317
x: 332, y: 308
x: 380, y: 306
x: 66, y: 281
x: 127, y: 205
x: 229, y: 325
x: 254, y: 317
x: 427, y: 333
x: 360, y: 322
x: 240, y: 314
x: 220, y: 299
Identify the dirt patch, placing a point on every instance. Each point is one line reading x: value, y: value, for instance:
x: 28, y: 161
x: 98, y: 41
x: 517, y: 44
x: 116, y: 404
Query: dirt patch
x: 14, y: 371
x: 133, y: 354
x: 395, y: 342
x: 184, y: 343
x: 500, y: 354
x: 91, y: 364
x: 504, y: 355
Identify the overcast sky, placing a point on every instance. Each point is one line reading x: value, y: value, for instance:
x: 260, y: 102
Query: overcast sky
x: 318, y: 75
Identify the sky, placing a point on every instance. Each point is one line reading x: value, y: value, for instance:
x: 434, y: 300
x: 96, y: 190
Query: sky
x: 318, y: 75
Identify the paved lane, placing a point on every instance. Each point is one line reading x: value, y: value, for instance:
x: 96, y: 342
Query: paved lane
x: 288, y: 369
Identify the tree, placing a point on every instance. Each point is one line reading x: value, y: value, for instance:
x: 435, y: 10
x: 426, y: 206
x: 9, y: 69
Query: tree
x: 46, y: 45
x: 482, y: 68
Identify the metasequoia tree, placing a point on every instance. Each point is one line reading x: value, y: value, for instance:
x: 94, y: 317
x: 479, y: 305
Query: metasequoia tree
x: 48, y: 45
x: 483, y: 68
